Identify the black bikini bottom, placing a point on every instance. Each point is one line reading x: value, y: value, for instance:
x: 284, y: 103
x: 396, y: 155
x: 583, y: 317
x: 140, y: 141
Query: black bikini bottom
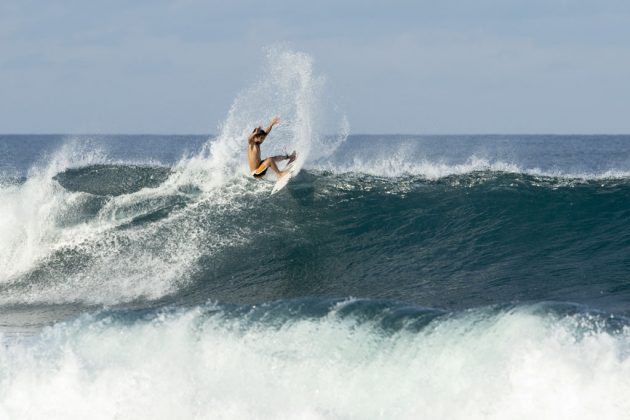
x: 260, y: 174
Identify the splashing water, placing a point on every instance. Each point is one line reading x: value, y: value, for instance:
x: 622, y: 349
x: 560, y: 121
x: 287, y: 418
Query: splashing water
x: 287, y: 88
x: 114, y: 255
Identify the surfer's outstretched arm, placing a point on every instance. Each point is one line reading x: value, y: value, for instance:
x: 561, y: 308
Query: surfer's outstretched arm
x: 274, y: 121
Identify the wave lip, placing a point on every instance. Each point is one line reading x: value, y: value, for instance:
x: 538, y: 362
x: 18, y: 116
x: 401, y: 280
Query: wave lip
x: 435, y: 157
x: 397, y: 166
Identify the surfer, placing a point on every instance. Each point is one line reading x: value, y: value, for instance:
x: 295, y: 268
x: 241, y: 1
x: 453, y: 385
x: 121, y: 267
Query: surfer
x: 258, y: 166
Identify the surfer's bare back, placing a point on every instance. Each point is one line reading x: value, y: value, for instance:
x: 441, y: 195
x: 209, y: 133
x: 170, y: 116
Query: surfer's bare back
x: 258, y: 166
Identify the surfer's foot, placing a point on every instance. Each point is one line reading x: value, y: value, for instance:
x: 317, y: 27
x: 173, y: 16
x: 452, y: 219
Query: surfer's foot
x: 291, y: 157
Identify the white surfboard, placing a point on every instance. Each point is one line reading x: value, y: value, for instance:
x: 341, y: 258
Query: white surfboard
x: 293, y: 168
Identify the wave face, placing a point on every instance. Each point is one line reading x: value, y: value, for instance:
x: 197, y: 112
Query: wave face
x: 395, y: 276
x: 118, y: 234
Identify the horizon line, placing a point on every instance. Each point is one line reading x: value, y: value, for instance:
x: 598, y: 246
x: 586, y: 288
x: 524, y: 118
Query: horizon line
x: 351, y: 134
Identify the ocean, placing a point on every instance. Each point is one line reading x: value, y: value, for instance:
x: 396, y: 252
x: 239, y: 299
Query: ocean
x: 396, y: 276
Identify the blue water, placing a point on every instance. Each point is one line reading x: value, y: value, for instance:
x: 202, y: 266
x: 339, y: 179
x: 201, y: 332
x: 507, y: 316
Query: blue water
x: 396, y: 276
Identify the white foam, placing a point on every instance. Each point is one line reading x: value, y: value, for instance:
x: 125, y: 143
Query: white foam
x: 515, y: 365
x: 28, y: 212
x: 433, y: 159
x: 399, y: 163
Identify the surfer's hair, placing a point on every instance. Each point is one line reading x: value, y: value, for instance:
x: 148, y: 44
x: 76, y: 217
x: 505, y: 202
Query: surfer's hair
x: 258, y: 131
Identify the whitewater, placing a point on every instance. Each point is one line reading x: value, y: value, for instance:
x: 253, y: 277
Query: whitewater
x: 397, y: 276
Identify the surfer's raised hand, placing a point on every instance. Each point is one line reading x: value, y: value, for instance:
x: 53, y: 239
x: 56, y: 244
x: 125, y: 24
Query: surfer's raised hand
x: 274, y: 121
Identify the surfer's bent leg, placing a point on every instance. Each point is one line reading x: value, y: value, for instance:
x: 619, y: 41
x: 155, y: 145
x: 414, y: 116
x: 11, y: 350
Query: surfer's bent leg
x: 271, y: 162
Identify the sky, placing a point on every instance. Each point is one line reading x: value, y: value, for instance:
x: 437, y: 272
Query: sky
x: 409, y: 67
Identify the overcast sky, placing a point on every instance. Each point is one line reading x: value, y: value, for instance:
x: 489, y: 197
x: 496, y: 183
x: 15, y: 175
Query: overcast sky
x: 423, y: 66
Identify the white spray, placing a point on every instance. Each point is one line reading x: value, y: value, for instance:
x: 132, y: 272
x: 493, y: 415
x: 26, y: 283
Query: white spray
x: 119, y: 264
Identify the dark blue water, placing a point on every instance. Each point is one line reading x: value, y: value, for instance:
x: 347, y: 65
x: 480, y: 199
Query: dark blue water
x: 436, y: 221
x: 506, y: 257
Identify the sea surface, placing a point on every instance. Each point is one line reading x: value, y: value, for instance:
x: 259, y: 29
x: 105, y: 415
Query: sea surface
x: 399, y: 277
x: 395, y: 277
